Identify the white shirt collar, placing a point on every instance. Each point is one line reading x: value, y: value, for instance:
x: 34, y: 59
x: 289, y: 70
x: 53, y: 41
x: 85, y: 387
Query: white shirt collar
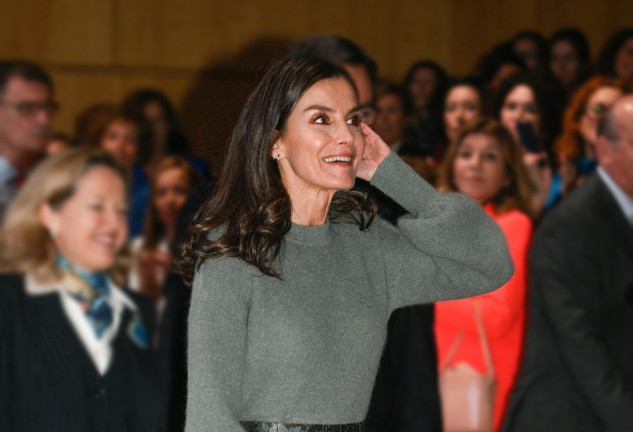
x: 99, y: 349
x: 624, y: 201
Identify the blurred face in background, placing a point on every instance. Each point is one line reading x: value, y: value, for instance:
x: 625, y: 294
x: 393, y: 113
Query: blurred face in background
x: 527, y: 49
x: 170, y: 193
x: 520, y: 106
x: 564, y: 62
x: 26, y: 113
x: 422, y: 86
x: 624, y: 61
x: 597, y: 105
x: 121, y: 139
x: 462, y: 105
x: 390, y: 118
x: 91, y: 226
x: 153, y: 112
x: 479, y: 168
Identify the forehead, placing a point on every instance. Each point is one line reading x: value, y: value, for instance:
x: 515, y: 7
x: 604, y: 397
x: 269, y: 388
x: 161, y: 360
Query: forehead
x: 18, y: 89
x: 462, y: 92
x: 563, y: 46
x: 389, y: 98
x: 606, y: 95
x: 480, y: 140
x: 172, y: 174
x: 101, y: 180
x: 521, y: 92
x: 334, y: 93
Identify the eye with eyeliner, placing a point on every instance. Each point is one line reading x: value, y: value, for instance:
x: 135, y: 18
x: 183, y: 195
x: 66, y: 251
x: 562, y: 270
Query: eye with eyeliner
x: 321, y: 118
x: 355, y: 120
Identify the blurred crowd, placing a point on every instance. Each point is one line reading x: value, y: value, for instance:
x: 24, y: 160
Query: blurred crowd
x: 540, y: 134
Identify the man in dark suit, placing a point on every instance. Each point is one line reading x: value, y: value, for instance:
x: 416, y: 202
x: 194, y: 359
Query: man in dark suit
x: 577, y: 372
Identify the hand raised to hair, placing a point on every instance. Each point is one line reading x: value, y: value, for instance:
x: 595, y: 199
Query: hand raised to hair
x: 376, y: 150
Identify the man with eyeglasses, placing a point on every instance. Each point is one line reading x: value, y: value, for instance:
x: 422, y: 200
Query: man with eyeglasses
x: 26, y: 111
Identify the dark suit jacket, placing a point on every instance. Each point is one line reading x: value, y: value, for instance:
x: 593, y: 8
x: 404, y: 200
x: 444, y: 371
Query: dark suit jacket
x: 577, y: 372
x: 49, y: 383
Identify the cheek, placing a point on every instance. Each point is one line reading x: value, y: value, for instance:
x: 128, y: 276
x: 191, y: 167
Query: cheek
x: 495, y: 175
x: 507, y: 116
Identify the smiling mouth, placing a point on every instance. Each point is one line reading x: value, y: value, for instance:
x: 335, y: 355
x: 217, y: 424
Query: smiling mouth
x: 334, y: 159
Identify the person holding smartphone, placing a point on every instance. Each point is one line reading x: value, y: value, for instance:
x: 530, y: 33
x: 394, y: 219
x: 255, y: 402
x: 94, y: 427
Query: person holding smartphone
x: 520, y: 103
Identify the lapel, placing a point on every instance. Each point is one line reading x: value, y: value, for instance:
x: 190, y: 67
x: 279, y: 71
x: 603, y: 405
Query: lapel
x: 56, y: 337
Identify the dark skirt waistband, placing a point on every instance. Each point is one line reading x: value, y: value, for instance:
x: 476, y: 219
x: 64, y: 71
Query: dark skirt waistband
x: 252, y: 426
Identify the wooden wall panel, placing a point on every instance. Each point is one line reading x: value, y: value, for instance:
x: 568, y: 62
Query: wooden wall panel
x: 57, y: 31
x: 208, y: 54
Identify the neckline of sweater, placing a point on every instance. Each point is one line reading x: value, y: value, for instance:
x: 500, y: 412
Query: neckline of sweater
x: 310, y: 235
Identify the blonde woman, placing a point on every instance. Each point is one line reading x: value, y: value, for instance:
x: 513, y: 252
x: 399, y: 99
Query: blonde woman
x: 74, y: 352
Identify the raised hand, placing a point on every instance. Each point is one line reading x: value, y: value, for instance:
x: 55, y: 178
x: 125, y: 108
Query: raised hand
x: 375, y: 152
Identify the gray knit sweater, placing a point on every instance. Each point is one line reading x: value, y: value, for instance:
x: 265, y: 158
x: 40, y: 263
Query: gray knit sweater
x: 306, y: 348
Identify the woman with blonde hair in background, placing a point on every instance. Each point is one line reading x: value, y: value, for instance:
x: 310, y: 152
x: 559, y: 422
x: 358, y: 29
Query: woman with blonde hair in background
x: 75, y: 351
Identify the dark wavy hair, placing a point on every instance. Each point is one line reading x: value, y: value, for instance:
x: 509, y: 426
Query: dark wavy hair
x: 610, y: 50
x: 250, y: 206
x: 134, y: 104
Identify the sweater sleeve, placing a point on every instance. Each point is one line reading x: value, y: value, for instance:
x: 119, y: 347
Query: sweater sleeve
x: 216, y: 345
x: 502, y: 308
x: 447, y: 247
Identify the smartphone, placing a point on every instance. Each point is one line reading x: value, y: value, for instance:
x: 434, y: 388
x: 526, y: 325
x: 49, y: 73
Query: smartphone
x: 528, y: 138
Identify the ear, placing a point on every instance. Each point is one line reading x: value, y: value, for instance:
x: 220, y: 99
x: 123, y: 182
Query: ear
x: 276, y: 151
x: 49, y: 218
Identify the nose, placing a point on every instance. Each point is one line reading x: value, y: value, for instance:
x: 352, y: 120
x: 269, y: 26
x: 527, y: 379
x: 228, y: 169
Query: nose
x: 344, y: 133
x: 43, y: 117
x: 114, y: 220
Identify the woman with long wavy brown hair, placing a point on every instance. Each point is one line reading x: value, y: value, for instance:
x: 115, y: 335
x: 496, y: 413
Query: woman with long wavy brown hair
x: 293, y: 280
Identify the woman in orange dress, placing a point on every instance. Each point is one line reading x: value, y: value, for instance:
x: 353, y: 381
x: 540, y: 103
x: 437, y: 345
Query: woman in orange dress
x: 485, y: 163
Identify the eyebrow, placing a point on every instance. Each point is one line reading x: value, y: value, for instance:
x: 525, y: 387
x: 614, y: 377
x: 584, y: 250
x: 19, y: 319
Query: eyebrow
x: 328, y: 109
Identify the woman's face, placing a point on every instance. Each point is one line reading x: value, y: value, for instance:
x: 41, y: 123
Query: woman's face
x: 527, y: 49
x: 462, y: 106
x: 155, y: 115
x: 121, y: 139
x: 624, y: 61
x: 597, y: 105
x: 389, y: 118
x: 322, y: 143
x: 479, y: 169
x: 422, y: 86
x: 520, y: 107
x: 91, y: 225
x: 170, y: 192
x: 564, y: 62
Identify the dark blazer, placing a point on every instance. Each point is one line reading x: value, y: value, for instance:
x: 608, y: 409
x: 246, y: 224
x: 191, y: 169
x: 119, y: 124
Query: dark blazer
x: 48, y: 382
x: 577, y: 371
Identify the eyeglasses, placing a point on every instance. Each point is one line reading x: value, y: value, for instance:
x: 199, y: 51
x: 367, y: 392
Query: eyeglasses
x: 30, y: 109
